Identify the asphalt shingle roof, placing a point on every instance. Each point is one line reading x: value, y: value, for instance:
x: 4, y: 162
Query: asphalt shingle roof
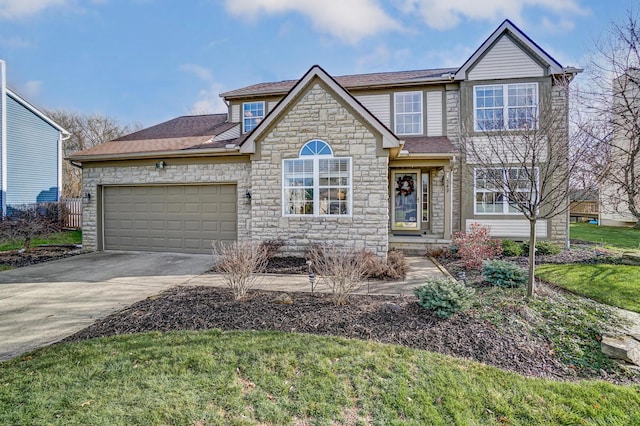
x: 185, y: 126
x: 349, y: 81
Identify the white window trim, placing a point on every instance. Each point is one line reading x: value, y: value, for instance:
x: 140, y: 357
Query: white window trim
x: 264, y: 113
x: 505, y: 107
x: 503, y: 191
x: 316, y: 186
x: 395, y: 112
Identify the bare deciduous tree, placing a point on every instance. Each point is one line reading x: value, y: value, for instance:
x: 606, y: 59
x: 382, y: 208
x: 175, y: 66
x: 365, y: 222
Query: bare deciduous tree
x: 611, y: 116
x: 86, y: 131
x: 526, y: 168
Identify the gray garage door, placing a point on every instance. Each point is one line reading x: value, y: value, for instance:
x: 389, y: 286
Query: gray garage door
x: 173, y: 218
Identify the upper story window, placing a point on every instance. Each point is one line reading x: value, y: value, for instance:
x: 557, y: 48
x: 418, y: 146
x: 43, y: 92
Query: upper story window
x: 252, y: 115
x: 505, y: 107
x: 316, y: 183
x: 408, y: 113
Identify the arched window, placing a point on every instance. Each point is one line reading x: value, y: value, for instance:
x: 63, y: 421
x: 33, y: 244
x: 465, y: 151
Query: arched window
x: 316, y: 183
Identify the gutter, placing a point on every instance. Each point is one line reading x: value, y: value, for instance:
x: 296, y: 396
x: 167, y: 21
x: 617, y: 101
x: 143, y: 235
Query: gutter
x: 3, y: 138
x: 221, y: 152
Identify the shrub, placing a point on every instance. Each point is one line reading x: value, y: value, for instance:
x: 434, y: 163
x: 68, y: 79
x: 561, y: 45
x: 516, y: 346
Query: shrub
x: 24, y: 223
x: 444, y: 296
x: 394, y: 268
x: 512, y: 248
x: 272, y: 247
x: 342, y: 270
x: 475, y: 246
x: 239, y: 262
x: 542, y: 247
x: 503, y: 274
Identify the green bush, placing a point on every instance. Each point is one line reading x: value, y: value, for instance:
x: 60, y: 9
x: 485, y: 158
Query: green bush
x: 512, y: 248
x: 542, y: 247
x: 444, y: 296
x: 503, y: 274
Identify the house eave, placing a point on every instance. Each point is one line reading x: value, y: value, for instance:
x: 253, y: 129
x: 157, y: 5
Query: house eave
x: 194, y: 153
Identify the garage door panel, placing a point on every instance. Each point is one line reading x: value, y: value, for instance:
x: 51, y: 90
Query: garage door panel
x: 179, y: 218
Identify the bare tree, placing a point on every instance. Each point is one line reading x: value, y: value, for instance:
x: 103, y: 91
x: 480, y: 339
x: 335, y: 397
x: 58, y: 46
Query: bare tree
x: 86, y: 131
x: 611, y: 116
x: 523, y: 162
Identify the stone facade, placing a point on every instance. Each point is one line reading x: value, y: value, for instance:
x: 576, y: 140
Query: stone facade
x: 317, y: 114
x: 201, y: 172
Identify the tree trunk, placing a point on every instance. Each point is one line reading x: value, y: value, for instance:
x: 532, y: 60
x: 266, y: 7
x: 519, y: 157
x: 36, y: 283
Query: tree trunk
x: 531, y: 283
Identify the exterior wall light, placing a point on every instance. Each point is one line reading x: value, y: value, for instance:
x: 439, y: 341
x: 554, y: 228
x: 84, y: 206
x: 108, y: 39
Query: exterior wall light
x: 247, y: 196
x: 86, y: 197
x: 160, y: 165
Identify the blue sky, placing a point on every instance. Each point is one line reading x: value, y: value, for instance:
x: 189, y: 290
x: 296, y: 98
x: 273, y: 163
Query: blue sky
x: 148, y: 61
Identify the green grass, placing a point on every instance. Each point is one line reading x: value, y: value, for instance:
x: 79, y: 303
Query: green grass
x: 65, y: 237
x: 250, y: 378
x: 614, y: 236
x: 615, y: 285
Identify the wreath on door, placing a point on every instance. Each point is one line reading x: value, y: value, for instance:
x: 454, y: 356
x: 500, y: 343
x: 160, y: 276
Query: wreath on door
x: 405, y: 185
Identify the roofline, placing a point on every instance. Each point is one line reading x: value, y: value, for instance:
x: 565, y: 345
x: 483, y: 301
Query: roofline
x: 395, y: 83
x: 183, y: 153
x: 555, y: 66
x: 36, y: 111
x: 389, y: 139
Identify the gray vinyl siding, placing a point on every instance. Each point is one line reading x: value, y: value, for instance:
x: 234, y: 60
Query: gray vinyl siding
x: 378, y: 105
x: 434, y: 114
x: 235, y: 113
x: 32, y: 156
x: 232, y: 133
x: 505, y: 60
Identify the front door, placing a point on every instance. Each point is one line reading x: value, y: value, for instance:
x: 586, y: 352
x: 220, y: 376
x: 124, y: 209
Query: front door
x: 406, y: 200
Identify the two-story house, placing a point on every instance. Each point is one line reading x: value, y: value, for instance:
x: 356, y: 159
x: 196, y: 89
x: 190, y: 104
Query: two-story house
x: 30, y: 151
x: 370, y: 161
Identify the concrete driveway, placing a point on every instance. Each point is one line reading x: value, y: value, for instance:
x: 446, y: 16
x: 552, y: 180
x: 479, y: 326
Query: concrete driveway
x: 45, y: 303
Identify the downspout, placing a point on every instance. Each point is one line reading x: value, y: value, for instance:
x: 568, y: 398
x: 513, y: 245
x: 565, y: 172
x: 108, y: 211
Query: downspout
x: 3, y: 136
x: 60, y: 140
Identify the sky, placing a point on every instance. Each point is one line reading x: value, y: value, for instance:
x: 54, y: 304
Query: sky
x: 148, y: 61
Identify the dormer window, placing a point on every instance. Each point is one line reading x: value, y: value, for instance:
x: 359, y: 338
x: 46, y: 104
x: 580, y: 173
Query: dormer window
x: 316, y: 183
x: 252, y: 115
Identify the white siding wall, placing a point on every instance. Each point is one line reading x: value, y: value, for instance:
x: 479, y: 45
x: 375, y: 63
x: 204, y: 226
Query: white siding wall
x: 510, y: 228
x: 378, y: 105
x: 235, y: 113
x: 434, y: 113
x: 505, y: 60
x: 232, y: 133
x: 503, y: 148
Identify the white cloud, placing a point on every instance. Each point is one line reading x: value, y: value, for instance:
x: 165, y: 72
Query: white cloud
x: 208, y: 101
x: 201, y: 72
x: 443, y: 15
x: 21, y: 8
x: 31, y: 89
x: 347, y: 20
x: 381, y: 58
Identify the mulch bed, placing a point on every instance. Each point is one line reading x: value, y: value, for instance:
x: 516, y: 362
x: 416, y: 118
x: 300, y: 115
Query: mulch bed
x: 18, y: 258
x: 387, y: 319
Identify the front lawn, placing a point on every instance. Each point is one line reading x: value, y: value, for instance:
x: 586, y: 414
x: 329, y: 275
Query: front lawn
x: 615, y: 236
x: 65, y: 237
x: 616, y: 285
x: 244, y: 378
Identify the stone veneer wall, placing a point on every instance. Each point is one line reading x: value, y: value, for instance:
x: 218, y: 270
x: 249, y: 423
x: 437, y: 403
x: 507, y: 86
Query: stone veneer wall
x: 437, y: 202
x: 171, y: 174
x: 453, y: 133
x: 560, y: 107
x: 318, y: 115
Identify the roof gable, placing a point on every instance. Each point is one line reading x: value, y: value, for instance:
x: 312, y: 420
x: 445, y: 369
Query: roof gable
x: 519, y: 40
x: 389, y: 140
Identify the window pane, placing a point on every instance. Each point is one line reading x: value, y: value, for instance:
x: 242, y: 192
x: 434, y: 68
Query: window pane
x: 408, y: 113
x: 252, y: 115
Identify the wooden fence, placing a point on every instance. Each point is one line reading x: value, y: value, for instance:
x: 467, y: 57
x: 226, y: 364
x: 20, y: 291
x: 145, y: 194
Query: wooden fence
x: 74, y: 212
x: 584, y: 210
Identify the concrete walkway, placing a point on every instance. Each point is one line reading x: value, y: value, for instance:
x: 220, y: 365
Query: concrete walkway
x: 420, y: 268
